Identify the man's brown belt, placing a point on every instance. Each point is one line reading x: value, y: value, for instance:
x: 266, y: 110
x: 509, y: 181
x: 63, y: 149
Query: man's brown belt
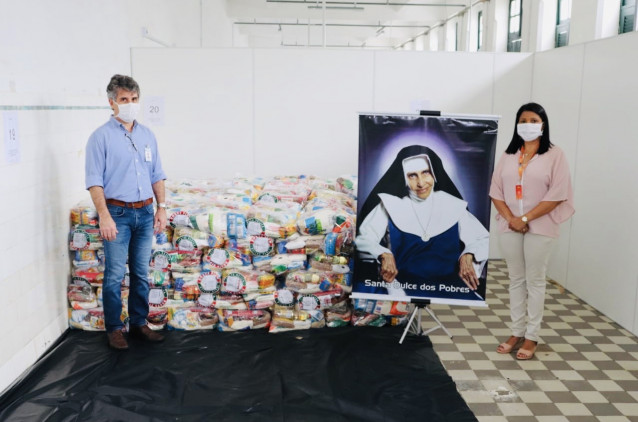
x: 138, y: 204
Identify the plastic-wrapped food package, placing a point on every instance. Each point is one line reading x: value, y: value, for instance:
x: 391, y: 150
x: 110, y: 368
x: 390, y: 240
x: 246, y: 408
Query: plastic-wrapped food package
x: 81, y: 296
x: 297, y: 244
x: 186, y: 261
x: 323, y: 262
x: 87, y: 319
x: 306, y: 282
x: 331, y: 198
x: 320, y: 300
x: 271, y: 221
x: 186, y: 285
x: 163, y: 241
x: 394, y: 320
x: 286, y: 319
x: 241, y: 280
x: 124, y: 297
x: 188, y: 239
x: 240, y: 202
x: 318, y: 221
x: 283, y: 263
x: 191, y: 318
x: 210, y: 282
x: 257, y: 300
x: 321, y: 216
x: 339, y: 243
x: 159, y: 278
x: 83, y: 259
x: 211, y: 220
x: 261, y: 246
x: 340, y: 280
x: 338, y: 316
x: 85, y: 237
x: 275, y: 195
x: 236, y: 225
x: 225, y: 300
x: 192, y: 186
x: 157, y: 297
x: 160, y: 261
x: 382, y: 307
x: 348, y: 184
x: 84, y: 215
x: 224, y: 258
x: 178, y: 217
x: 362, y: 318
x: 93, y: 276
x: 235, y: 320
x: 157, y: 318
x: 322, y: 184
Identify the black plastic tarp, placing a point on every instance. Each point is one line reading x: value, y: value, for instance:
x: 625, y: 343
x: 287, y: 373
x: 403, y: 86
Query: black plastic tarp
x: 342, y: 374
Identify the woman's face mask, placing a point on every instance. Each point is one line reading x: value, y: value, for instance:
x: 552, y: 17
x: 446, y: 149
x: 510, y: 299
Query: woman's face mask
x: 529, y: 131
x: 128, y: 112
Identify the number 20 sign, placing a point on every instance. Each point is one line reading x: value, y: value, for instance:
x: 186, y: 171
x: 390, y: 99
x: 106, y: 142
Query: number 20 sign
x: 154, y: 110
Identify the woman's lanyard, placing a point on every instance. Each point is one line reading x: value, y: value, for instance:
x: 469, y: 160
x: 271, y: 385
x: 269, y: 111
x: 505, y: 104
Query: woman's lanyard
x: 519, y: 186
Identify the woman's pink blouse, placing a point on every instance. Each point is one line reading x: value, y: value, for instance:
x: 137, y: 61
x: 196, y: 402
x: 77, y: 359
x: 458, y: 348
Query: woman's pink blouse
x: 546, y: 178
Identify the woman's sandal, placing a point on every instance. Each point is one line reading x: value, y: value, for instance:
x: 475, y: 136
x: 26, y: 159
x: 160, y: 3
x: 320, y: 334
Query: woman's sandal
x: 527, y: 353
x: 510, y: 345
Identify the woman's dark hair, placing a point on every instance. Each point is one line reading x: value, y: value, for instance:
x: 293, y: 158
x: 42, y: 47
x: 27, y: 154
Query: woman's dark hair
x: 517, y: 142
x: 393, y: 181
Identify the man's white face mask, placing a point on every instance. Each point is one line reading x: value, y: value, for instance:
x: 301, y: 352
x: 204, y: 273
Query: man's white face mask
x: 128, y: 112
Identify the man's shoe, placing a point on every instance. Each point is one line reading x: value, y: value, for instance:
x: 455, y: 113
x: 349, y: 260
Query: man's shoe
x: 117, y: 340
x: 146, y: 333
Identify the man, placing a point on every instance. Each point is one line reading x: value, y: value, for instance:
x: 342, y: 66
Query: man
x: 123, y: 173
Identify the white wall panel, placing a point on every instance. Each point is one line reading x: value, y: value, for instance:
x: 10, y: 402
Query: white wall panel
x: 511, y: 89
x: 560, y: 94
x: 449, y: 82
x: 306, y: 105
x: 602, y: 257
x: 57, y: 58
x: 208, y: 95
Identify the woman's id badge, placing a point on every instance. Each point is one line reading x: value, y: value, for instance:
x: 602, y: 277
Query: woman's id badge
x: 147, y: 154
x: 519, y: 191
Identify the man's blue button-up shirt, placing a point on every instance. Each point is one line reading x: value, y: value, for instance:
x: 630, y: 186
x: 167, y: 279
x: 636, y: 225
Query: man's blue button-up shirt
x: 126, y: 164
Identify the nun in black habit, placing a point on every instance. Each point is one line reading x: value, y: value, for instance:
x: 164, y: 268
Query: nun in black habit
x: 417, y: 225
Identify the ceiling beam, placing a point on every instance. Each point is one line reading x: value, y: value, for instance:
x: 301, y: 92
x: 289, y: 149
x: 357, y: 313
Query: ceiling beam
x: 364, y: 3
x: 364, y: 25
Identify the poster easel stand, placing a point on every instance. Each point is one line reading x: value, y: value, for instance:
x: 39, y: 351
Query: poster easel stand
x: 415, y: 326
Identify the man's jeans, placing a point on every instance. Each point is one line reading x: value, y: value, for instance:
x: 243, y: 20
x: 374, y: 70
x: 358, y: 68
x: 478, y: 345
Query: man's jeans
x: 134, y: 238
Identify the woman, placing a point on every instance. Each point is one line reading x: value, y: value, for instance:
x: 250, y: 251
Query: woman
x: 432, y: 238
x: 532, y: 192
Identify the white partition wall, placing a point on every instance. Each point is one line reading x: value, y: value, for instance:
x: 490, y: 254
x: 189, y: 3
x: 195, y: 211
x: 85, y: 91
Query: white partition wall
x: 591, y: 91
x: 272, y: 111
x: 559, y: 92
x: 448, y: 82
x: 305, y: 110
x: 57, y: 58
x: 512, y: 72
x: 208, y: 108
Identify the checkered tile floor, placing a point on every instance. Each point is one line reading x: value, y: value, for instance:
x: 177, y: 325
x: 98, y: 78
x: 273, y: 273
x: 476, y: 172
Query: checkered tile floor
x: 585, y: 368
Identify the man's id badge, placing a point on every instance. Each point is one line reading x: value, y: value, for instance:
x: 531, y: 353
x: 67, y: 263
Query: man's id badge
x: 147, y: 154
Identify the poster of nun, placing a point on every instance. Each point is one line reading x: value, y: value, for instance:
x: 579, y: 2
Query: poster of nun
x: 423, y: 208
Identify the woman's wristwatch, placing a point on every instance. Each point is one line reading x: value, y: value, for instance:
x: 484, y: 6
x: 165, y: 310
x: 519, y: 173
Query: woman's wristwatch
x: 524, y: 219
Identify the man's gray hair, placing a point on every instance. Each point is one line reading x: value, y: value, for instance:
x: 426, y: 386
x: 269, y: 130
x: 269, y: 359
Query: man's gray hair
x: 121, y: 82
